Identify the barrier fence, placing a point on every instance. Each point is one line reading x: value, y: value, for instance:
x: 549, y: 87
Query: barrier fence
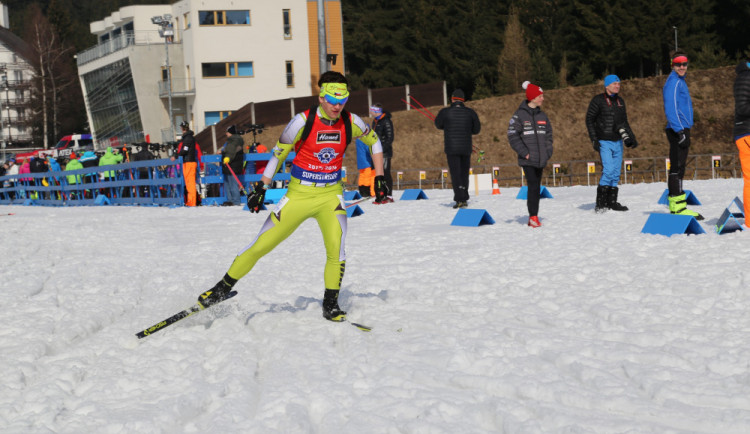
x: 160, y: 182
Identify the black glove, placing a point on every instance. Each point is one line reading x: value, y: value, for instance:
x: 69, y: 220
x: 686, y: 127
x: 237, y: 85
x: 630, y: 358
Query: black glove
x: 596, y: 145
x: 255, y: 199
x: 381, y: 189
x: 683, y: 141
x: 632, y: 143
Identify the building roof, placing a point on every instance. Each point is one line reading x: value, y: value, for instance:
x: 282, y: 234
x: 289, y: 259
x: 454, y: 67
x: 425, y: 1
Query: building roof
x: 16, y: 44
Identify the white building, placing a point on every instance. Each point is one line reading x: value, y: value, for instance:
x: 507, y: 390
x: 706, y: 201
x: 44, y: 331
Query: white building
x: 222, y: 55
x: 15, y: 86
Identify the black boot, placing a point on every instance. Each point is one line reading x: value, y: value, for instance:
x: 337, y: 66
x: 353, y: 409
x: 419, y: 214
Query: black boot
x: 601, y: 199
x: 613, y: 204
x: 219, y: 292
x: 331, y: 309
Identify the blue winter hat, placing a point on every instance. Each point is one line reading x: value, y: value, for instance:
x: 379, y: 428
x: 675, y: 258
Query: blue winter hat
x: 611, y: 79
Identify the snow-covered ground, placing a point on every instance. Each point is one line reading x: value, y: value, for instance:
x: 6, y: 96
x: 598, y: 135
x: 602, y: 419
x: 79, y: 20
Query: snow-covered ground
x: 584, y: 325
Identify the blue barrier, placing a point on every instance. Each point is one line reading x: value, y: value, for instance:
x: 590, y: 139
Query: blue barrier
x: 154, y: 182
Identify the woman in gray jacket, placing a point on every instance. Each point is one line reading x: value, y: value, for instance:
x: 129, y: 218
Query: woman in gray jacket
x: 530, y: 135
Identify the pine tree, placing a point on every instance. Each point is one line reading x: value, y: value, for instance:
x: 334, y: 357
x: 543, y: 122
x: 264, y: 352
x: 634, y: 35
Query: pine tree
x: 514, y: 62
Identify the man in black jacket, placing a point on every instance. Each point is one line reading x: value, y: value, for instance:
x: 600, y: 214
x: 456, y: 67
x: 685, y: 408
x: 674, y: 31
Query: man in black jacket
x: 741, y: 131
x: 458, y: 123
x: 608, y: 127
x: 383, y: 127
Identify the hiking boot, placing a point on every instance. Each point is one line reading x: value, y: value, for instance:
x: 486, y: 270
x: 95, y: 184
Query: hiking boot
x: 612, y: 200
x: 534, y: 222
x: 331, y: 309
x: 601, y: 199
x: 678, y: 205
x: 218, y: 293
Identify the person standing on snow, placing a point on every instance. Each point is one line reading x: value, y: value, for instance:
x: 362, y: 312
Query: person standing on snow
x: 383, y: 127
x: 608, y: 127
x: 530, y: 135
x: 232, y: 156
x: 458, y: 123
x: 741, y: 130
x: 187, y: 151
x: 678, y: 107
x: 319, y: 136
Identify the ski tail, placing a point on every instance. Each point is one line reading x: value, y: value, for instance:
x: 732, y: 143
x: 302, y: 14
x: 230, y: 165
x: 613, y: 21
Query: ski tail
x: 197, y: 307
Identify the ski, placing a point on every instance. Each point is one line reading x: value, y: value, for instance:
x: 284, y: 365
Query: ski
x: 197, y: 307
x: 350, y: 204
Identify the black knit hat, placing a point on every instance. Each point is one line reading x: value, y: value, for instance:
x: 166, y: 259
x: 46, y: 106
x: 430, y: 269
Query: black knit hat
x: 458, y: 94
x: 232, y: 130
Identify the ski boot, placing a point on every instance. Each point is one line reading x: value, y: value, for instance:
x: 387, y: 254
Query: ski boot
x: 678, y: 205
x: 220, y: 292
x: 331, y: 309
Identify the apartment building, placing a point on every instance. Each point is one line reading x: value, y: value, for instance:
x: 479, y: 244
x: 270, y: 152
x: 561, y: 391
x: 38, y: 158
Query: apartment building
x: 15, y: 86
x: 203, y: 58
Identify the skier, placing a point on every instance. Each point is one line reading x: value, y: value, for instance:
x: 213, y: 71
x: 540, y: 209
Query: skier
x: 319, y: 136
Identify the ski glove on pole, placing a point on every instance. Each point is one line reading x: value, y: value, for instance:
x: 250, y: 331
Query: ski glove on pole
x: 683, y: 142
x: 381, y: 189
x: 255, y: 199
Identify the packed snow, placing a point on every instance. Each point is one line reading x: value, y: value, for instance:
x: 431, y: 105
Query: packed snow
x: 585, y: 325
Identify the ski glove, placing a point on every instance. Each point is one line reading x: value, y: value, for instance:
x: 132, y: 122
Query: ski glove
x: 596, y: 145
x: 683, y: 142
x: 381, y: 189
x: 256, y: 198
x: 631, y: 143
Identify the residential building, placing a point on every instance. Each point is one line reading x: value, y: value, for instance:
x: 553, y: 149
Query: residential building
x: 15, y: 87
x: 218, y: 56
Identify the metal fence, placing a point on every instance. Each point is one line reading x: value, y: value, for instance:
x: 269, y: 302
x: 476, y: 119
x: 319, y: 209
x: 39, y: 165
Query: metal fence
x: 579, y: 172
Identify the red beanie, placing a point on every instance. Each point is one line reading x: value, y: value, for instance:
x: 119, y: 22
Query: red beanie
x: 532, y: 90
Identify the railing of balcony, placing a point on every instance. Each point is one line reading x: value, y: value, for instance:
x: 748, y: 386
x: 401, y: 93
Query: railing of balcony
x: 118, y: 43
x: 180, y: 87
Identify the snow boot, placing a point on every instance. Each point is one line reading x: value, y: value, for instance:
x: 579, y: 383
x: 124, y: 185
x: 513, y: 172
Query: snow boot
x: 219, y: 292
x: 601, y: 199
x: 678, y: 205
x: 534, y: 222
x: 331, y: 309
x: 612, y: 200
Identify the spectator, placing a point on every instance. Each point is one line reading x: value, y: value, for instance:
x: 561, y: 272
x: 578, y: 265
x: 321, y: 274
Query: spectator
x: 187, y: 150
x: 233, y: 157
x: 73, y: 164
x: 742, y: 128
x: 608, y: 127
x: 678, y: 107
x: 530, y: 135
x: 260, y: 165
x: 383, y: 127
x: 458, y: 123
x: 110, y: 158
x: 315, y: 190
x: 12, y: 170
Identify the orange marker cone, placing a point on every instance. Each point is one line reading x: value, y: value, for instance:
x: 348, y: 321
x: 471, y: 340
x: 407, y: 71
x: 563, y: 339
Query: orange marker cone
x: 495, y: 188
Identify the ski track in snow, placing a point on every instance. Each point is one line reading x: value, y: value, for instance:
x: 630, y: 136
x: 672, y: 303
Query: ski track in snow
x: 584, y: 325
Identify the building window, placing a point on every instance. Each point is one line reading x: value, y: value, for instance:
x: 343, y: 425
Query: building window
x: 222, y: 18
x: 212, y: 118
x: 227, y: 69
x: 287, y: 23
x: 289, y: 73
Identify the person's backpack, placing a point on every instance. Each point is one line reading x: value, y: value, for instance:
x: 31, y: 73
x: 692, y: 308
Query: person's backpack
x: 311, y: 119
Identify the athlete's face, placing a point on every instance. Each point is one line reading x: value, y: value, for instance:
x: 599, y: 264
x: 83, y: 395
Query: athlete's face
x: 332, y: 108
x: 681, y: 68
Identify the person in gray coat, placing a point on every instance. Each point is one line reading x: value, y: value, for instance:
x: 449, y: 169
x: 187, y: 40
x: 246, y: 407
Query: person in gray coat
x: 530, y: 135
x: 458, y: 123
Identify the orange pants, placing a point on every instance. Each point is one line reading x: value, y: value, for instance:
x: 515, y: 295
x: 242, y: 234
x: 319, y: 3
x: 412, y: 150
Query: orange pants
x: 743, y: 145
x: 367, y: 178
x: 188, y: 172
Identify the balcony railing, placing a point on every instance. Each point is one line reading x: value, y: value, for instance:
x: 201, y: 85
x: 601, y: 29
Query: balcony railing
x: 118, y: 43
x: 181, y: 87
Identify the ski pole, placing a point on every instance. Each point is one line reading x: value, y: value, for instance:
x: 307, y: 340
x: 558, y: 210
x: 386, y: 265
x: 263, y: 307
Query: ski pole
x: 242, y: 189
x: 426, y: 114
x: 420, y: 104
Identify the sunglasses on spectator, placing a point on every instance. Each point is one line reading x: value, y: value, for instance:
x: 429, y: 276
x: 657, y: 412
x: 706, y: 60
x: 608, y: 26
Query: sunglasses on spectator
x: 333, y: 100
x: 685, y: 64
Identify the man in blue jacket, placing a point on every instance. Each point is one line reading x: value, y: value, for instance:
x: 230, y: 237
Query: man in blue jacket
x: 678, y: 107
